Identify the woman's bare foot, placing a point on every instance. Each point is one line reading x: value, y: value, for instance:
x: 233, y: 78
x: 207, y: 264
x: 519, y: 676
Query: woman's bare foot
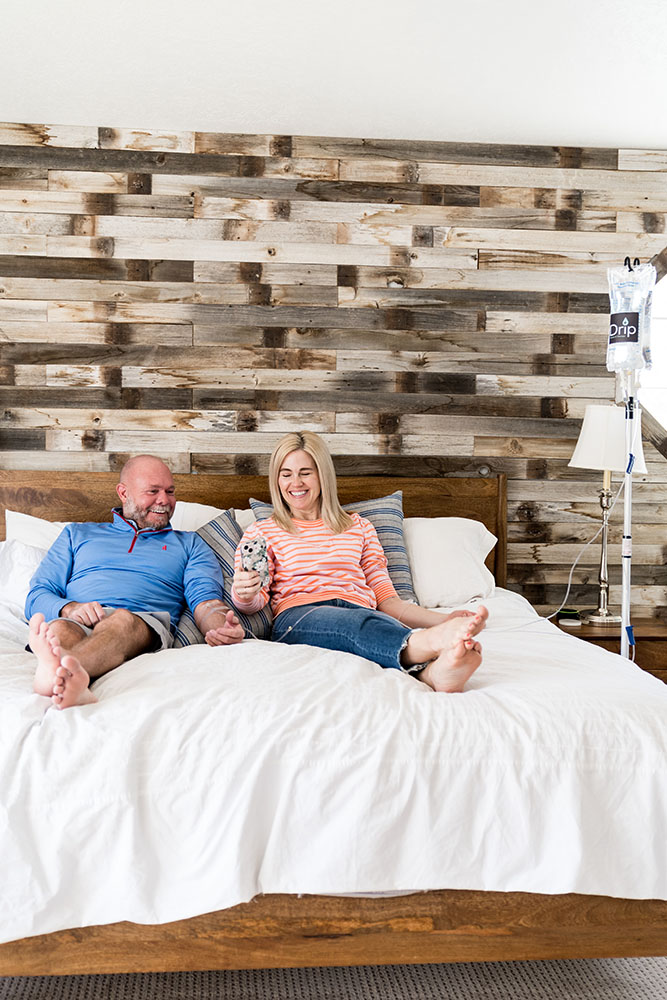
x: 70, y: 685
x: 428, y: 643
x: 449, y: 649
x: 450, y: 671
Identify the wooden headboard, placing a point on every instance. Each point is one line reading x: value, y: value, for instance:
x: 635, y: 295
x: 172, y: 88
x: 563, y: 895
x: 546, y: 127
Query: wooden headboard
x: 89, y: 496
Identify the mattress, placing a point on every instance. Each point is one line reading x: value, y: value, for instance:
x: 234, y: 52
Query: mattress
x: 205, y: 776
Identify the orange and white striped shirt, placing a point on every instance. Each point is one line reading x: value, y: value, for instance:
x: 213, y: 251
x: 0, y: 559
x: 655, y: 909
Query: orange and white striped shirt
x: 317, y: 565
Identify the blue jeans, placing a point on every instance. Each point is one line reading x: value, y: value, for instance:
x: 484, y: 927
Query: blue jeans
x: 338, y: 624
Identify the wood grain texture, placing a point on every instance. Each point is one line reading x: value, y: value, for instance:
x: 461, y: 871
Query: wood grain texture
x: 283, y: 931
x: 430, y: 307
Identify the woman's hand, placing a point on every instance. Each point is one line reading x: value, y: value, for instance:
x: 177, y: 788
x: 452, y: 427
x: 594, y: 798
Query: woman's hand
x: 247, y: 584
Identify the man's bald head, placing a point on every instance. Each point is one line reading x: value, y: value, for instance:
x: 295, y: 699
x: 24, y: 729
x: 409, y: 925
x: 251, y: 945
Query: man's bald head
x: 146, y: 491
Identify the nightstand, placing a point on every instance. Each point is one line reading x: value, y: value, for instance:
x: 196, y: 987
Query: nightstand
x: 650, y: 638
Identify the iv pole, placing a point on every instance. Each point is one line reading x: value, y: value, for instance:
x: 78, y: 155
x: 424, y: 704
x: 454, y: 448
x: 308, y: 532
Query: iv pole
x: 629, y: 380
x: 631, y: 421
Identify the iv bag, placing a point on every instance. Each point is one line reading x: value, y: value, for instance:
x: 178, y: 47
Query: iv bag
x: 630, y: 294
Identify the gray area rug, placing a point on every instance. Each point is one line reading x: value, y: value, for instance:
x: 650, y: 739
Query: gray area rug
x: 581, y: 979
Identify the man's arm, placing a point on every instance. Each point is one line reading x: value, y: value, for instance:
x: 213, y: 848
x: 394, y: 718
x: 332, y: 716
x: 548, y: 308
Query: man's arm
x: 48, y: 587
x: 218, y: 625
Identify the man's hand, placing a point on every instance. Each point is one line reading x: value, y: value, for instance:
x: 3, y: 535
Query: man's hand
x: 89, y: 613
x: 218, y: 625
x: 226, y: 634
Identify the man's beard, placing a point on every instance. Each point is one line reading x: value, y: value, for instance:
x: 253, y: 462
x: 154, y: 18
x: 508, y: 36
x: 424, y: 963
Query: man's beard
x: 147, y: 518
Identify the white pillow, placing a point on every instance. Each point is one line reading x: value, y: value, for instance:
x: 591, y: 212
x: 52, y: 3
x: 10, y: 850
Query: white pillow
x: 446, y: 556
x: 18, y: 562
x: 190, y: 516
x: 32, y: 530
x: 245, y: 517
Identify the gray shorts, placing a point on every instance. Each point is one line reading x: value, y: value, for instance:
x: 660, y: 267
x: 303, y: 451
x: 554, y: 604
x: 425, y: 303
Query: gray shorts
x: 159, y: 622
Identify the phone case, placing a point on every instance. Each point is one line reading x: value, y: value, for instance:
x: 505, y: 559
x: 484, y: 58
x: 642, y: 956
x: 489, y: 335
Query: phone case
x: 253, y: 556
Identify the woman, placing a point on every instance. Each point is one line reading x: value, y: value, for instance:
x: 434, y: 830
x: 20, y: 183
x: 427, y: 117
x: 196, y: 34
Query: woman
x: 328, y: 579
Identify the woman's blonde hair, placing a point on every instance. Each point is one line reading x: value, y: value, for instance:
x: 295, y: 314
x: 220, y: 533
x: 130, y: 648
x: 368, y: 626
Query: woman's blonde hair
x: 331, y: 513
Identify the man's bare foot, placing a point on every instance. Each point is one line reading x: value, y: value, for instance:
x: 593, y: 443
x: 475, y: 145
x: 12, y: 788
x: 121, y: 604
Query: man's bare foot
x: 70, y: 685
x: 47, y: 661
x: 455, y: 665
x: 60, y: 678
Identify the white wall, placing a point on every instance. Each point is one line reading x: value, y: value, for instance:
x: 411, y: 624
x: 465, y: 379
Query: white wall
x: 574, y: 72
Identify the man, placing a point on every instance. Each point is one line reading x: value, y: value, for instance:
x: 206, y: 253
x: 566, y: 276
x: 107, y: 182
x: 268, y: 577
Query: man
x: 105, y: 593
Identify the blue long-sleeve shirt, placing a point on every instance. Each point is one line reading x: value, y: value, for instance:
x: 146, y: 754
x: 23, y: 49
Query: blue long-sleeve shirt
x: 122, y: 567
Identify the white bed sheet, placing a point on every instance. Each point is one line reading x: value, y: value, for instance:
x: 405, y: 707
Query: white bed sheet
x: 203, y: 777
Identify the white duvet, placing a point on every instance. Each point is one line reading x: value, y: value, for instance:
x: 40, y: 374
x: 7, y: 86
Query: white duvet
x: 203, y: 777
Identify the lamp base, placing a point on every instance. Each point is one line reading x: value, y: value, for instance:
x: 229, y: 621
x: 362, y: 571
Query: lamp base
x: 600, y: 617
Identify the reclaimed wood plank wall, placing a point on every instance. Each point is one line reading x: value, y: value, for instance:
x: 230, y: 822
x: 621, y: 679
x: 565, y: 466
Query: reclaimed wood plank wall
x: 428, y: 307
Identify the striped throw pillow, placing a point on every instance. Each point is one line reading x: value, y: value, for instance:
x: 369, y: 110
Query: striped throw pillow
x: 223, y: 535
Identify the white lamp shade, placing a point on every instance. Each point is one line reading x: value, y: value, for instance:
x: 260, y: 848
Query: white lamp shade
x: 601, y: 443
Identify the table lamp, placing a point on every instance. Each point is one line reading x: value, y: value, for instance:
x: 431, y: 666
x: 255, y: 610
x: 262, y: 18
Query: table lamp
x: 602, y: 446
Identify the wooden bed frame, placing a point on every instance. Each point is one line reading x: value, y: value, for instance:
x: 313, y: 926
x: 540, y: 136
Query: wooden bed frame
x: 282, y: 931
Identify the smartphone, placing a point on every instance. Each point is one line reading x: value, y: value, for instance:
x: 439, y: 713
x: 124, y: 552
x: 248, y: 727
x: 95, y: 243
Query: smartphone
x: 253, y: 557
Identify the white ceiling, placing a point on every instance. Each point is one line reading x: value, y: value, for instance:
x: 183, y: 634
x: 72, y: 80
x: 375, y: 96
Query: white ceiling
x: 574, y: 72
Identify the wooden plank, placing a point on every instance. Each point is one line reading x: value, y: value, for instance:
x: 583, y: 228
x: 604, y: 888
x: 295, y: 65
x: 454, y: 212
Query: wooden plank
x: 431, y: 318
x: 226, y: 143
x: 546, y: 322
x: 454, y: 152
x: 16, y: 310
x: 115, y: 356
x: 43, y: 224
x: 284, y: 189
x: 88, y: 461
x: 523, y: 428
x: 565, y: 554
x: 533, y: 280
x: 253, y: 378
x: 152, y: 139
x: 522, y: 446
x: 578, y: 261
x: 14, y: 134
x: 146, y: 312
x: 165, y: 334
x: 216, y: 250
x: 32, y: 245
x: 215, y: 229
x: 637, y: 244
x: 84, y: 180
x: 642, y: 159
x: 13, y: 396
x: 176, y: 420
x: 526, y: 385
x: 396, y: 213
x: 66, y: 202
x: 386, y: 170
x: 454, y: 343
x: 641, y: 222
x: 555, y: 532
x: 269, y: 274
x: 363, y: 276
x: 89, y: 291
x: 25, y: 178
x: 647, y: 201
x: 540, y: 513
